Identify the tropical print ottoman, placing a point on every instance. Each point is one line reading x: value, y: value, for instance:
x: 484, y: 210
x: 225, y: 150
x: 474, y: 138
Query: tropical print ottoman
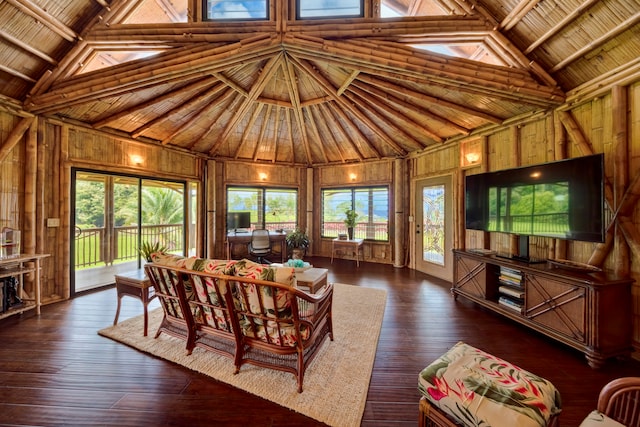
x: 476, y: 388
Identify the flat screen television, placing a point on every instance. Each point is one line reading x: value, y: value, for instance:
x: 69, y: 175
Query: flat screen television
x: 238, y: 221
x: 562, y: 199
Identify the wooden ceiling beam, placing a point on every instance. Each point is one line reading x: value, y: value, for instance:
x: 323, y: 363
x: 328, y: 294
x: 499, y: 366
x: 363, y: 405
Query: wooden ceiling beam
x: 428, y: 69
x: 276, y: 133
x: 200, y: 115
x: 388, y: 85
x: 268, y: 70
x: 196, y: 85
x: 197, y: 32
x: 341, y: 117
x: 17, y: 73
x: 19, y: 43
x: 39, y: 14
x: 193, y: 32
x: 366, y: 102
x: 320, y: 141
x: 348, y: 81
x: 331, y: 91
x: 555, y: 29
x: 227, y: 95
x: 116, y: 81
x: 517, y: 13
x: 344, y: 135
x: 388, y: 27
x: 260, y: 141
x: 182, y: 106
x: 294, y: 95
x: 233, y: 85
x: 288, y: 121
x: 408, y: 106
x: 594, y: 44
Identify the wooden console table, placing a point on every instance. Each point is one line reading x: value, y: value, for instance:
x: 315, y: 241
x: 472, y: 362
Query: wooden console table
x: 19, y: 266
x: 354, y: 244
x: 590, y: 312
x: 243, y: 239
x: 135, y: 284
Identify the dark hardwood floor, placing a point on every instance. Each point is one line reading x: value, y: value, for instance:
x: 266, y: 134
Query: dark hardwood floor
x: 56, y: 370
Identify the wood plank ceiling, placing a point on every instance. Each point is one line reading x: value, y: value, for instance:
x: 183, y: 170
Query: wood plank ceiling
x: 308, y: 92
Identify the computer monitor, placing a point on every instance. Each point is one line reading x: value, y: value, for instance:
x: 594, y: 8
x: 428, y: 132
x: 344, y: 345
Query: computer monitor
x: 238, y: 221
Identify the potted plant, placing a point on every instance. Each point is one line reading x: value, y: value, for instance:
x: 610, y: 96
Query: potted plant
x: 297, y: 243
x: 146, y: 249
x: 351, y: 219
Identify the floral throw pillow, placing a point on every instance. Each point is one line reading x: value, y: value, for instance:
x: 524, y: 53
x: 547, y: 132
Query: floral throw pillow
x: 479, y: 389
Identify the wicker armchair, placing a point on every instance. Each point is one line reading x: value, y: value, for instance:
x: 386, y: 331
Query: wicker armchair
x: 169, y: 289
x: 281, y: 327
x: 620, y: 401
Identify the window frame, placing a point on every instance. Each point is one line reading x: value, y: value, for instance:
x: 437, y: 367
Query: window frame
x: 206, y: 18
x: 262, y: 206
x: 370, y: 224
x: 299, y: 17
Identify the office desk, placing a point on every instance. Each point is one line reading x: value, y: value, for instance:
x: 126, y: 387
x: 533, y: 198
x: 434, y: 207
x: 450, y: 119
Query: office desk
x: 355, y: 245
x: 244, y: 239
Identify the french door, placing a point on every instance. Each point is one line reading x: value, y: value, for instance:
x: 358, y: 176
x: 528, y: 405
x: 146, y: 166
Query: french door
x: 112, y: 215
x: 434, y: 227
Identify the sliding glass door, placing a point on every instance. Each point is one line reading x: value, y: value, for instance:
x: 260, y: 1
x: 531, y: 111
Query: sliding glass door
x: 113, y: 215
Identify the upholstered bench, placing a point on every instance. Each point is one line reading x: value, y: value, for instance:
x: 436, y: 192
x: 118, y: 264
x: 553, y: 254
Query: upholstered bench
x: 468, y: 387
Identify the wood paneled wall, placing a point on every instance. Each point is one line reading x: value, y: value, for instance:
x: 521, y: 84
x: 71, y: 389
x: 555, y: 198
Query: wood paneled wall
x: 592, y: 126
x: 59, y: 148
x: 598, y: 125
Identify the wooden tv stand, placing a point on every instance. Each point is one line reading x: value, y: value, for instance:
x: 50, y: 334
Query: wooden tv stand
x: 587, y: 311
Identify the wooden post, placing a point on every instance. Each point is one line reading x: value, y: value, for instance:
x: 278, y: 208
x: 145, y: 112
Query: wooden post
x: 30, y: 181
x: 210, y: 186
x: 399, y: 184
x: 14, y: 137
x: 620, y: 172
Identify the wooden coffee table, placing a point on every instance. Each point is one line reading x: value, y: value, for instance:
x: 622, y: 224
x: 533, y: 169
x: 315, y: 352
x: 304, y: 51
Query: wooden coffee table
x: 312, y: 278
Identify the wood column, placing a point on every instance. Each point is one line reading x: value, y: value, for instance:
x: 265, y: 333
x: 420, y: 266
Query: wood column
x: 210, y: 207
x: 399, y: 186
x: 620, y: 172
x: 309, y: 210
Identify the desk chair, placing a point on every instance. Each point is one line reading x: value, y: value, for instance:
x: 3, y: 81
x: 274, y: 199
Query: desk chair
x: 260, y: 245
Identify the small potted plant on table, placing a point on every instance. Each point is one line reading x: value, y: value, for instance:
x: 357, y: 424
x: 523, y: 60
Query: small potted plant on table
x: 297, y: 243
x: 351, y: 219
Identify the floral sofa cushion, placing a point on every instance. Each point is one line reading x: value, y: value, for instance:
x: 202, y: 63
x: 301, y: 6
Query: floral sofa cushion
x: 203, y: 288
x: 477, y: 388
x: 598, y: 419
x: 269, y: 302
x: 217, y: 266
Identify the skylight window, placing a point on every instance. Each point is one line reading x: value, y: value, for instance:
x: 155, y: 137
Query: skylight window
x: 236, y: 10
x: 329, y: 8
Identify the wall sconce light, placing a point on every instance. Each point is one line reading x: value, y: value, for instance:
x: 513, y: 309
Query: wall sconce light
x: 471, y: 153
x: 263, y: 176
x: 472, y: 157
x: 136, y: 159
x: 352, y: 176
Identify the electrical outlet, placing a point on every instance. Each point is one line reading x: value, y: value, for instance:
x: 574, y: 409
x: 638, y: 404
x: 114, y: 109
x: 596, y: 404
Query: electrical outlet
x: 53, y: 222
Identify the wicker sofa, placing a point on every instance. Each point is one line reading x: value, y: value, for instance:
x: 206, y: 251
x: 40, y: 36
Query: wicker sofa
x: 248, y: 312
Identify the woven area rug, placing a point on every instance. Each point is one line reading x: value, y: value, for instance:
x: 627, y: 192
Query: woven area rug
x: 336, y: 382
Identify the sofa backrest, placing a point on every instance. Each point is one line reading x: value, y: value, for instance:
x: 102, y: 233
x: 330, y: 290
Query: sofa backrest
x: 169, y: 290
